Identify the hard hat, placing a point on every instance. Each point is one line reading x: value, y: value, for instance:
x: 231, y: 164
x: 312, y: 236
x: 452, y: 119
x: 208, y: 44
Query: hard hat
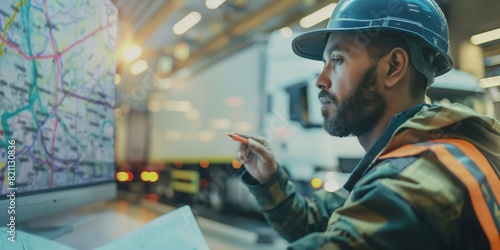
x: 420, y: 19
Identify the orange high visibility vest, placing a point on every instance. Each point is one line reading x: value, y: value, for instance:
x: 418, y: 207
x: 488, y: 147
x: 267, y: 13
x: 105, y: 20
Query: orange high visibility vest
x: 470, y: 166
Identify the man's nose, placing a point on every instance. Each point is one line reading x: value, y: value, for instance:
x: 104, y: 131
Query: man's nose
x: 323, y: 81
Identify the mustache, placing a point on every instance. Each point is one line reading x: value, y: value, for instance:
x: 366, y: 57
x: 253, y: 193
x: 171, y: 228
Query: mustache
x: 324, y: 94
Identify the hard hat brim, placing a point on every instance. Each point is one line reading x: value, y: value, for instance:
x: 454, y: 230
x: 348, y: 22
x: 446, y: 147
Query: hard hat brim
x: 311, y: 45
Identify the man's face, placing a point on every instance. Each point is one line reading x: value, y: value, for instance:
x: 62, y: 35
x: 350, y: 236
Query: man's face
x: 351, y: 102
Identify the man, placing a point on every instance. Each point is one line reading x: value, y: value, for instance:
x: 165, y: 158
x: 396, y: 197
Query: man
x: 430, y: 177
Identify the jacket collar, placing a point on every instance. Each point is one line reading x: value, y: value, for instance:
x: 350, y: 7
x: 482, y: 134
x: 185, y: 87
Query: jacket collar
x: 395, y: 122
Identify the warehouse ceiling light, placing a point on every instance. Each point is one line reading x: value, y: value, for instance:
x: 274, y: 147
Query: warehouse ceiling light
x: 187, y: 23
x: 214, y: 4
x: 317, y: 16
x: 131, y: 52
x: 486, y: 37
x: 286, y: 32
x: 490, y: 82
x: 138, y: 67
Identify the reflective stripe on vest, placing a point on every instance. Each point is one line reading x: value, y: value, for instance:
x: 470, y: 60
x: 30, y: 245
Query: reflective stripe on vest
x: 470, y: 166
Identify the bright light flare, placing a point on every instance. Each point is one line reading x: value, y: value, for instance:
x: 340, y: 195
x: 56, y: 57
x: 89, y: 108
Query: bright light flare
x: 131, y: 52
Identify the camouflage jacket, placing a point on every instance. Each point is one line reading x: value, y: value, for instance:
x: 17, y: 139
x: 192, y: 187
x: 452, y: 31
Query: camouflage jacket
x: 411, y: 202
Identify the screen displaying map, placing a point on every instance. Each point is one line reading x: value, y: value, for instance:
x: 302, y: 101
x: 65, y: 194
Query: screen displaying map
x: 57, y: 93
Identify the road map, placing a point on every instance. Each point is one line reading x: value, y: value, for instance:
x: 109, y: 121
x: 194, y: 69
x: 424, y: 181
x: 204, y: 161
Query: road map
x: 57, y: 92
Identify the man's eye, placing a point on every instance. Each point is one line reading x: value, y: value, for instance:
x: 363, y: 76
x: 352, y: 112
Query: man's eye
x: 336, y: 60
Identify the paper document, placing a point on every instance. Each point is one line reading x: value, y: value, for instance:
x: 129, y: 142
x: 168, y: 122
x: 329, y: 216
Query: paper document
x: 176, y: 230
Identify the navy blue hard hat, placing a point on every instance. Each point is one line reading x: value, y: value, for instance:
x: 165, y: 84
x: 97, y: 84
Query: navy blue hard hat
x: 420, y: 22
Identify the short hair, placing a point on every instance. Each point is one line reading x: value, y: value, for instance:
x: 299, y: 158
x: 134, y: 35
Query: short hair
x: 384, y: 43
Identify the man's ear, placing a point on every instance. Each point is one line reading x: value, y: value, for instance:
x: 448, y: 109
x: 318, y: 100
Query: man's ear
x: 397, y: 64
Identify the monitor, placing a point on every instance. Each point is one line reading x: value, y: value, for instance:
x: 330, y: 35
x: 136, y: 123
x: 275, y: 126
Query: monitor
x: 57, y: 101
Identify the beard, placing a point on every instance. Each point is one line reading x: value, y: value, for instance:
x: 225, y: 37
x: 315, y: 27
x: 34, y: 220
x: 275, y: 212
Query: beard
x: 360, y: 112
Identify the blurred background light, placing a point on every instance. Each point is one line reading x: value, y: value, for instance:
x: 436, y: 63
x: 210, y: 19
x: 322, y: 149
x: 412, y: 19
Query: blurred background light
x: 214, y: 4
x: 164, y: 83
x: 286, y: 32
x: 221, y: 123
x: 316, y: 183
x: 178, y: 163
x: 204, y: 163
x: 206, y: 136
x: 179, y: 106
x: 193, y: 114
x: 236, y: 164
x: 173, y: 135
x: 154, y: 106
x: 187, y: 23
x: 486, y: 37
x: 317, y: 16
x: 118, y: 79
x: 234, y: 101
x: 331, y: 186
x: 165, y: 64
x: 131, y: 52
x: 138, y: 67
x: 490, y: 82
x: 118, y: 113
x: 181, y: 51
x: 243, y: 127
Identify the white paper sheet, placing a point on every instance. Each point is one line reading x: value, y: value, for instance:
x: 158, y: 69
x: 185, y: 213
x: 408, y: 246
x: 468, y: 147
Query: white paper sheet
x: 27, y: 241
x: 176, y: 230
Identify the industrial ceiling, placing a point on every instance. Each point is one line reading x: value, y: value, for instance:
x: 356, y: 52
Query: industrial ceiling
x: 220, y: 31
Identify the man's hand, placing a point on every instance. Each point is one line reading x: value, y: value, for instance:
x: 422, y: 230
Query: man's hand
x: 257, y: 158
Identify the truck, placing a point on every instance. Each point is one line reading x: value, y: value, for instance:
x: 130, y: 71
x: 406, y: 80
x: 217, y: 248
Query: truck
x: 263, y: 89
